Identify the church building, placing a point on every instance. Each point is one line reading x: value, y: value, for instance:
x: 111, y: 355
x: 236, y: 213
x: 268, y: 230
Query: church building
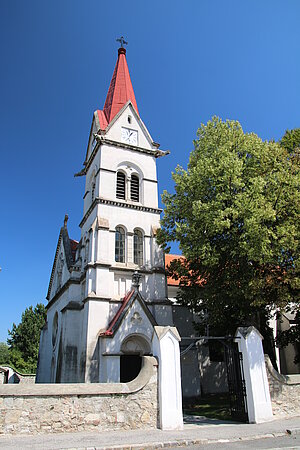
x: 108, y: 291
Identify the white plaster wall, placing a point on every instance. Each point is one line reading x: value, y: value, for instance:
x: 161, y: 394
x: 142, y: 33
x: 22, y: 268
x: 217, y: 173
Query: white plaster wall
x: 166, y: 349
x: 101, y: 280
x: 129, y: 326
x: 257, y: 387
x: 70, y: 340
x: 97, y: 320
x: 104, y: 282
x: 163, y: 314
x: 115, y: 131
x: 112, y: 369
x: 129, y: 218
x: 114, y: 159
x: 47, y: 350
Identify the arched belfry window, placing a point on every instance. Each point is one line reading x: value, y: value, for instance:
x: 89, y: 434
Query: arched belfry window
x: 120, y: 191
x: 120, y: 245
x: 138, y: 256
x: 135, y: 188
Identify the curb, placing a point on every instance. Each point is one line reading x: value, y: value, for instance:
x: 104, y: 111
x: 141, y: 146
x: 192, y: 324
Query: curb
x: 188, y: 442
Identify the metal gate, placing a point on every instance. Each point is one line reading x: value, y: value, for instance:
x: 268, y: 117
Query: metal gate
x: 235, y: 374
x: 236, y: 381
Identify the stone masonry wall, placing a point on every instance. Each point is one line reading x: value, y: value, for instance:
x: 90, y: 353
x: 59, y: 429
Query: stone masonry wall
x: 46, y: 408
x: 284, y: 391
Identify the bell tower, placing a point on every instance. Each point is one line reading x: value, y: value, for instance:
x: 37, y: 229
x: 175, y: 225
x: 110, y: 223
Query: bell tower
x: 121, y: 213
x: 91, y: 280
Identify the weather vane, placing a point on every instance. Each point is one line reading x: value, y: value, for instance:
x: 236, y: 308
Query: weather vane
x: 122, y: 41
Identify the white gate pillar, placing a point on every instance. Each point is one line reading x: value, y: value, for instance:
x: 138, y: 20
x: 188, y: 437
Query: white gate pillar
x: 249, y: 341
x: 166, y: 349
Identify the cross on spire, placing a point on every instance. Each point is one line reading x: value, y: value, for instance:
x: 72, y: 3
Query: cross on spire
x: 122, y: 41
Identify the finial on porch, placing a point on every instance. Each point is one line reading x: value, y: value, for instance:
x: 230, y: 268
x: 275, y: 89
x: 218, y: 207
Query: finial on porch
x: 136, y: 279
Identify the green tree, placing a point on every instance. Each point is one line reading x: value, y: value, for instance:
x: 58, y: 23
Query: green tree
x: 235, y: 214
x: 24, y: 339
x: 4, y: 353
x: 291, y: 140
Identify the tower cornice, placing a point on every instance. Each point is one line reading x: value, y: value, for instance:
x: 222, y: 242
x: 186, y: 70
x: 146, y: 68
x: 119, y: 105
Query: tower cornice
x: 103, y: 201
x: 101, y: 140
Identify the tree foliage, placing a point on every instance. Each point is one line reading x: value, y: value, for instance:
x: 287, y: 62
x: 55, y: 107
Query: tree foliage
x: 235, y: 214
x: 24, y: 339
x: 291, y: 140
x: 4, y: 354
x: 292, y: 336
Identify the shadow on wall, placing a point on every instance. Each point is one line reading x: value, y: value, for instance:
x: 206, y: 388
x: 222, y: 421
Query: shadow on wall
x: 212, y: 368
x: 287, y: 354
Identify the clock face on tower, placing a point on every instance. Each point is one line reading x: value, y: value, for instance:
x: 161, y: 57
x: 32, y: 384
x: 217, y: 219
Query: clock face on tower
x: 129, y: 136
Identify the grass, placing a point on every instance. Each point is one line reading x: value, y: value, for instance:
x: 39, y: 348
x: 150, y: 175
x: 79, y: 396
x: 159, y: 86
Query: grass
x: 213, y: 406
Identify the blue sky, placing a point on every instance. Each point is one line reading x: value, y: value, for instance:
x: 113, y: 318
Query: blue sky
x: 188, y: 60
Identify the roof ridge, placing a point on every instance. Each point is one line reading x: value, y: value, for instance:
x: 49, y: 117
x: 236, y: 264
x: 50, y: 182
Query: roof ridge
x: 125, y: 301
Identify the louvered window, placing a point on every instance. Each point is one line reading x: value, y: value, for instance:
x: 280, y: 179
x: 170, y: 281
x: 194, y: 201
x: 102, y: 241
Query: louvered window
x: 120, y: 244
x: 135, y: 188
x: 120, y: 191
x: 138, y: 247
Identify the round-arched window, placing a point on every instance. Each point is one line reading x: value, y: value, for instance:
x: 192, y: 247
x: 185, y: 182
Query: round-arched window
x: 135, y: 188
x: 138, y: 245
x: 120, y: 189
x: 120, y: 245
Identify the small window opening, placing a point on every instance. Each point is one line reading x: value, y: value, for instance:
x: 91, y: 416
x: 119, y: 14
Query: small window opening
x: 129, y: 119
x: 120, y: 191
x: 135, y: 188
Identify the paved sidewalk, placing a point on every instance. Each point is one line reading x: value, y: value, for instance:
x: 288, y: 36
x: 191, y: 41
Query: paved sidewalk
x: 203, y: 431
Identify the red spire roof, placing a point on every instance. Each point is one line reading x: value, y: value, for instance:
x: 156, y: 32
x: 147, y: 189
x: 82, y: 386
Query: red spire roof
x: 119, y: 93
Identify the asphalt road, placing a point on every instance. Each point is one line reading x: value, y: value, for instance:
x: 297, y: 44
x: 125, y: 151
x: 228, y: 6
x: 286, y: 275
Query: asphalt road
x: 272, y: 443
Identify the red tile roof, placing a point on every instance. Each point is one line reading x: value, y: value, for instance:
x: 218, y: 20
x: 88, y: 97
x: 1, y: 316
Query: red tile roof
x: 172, y: 281
x: 119, y: 93
x: 168, y: 259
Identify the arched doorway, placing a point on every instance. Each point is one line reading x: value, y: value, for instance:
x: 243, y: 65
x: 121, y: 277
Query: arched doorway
x: 133, y: 348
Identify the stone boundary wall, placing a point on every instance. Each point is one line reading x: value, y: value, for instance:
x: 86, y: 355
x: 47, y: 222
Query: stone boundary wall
x: 53, y: 408
x: 284, y: 391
